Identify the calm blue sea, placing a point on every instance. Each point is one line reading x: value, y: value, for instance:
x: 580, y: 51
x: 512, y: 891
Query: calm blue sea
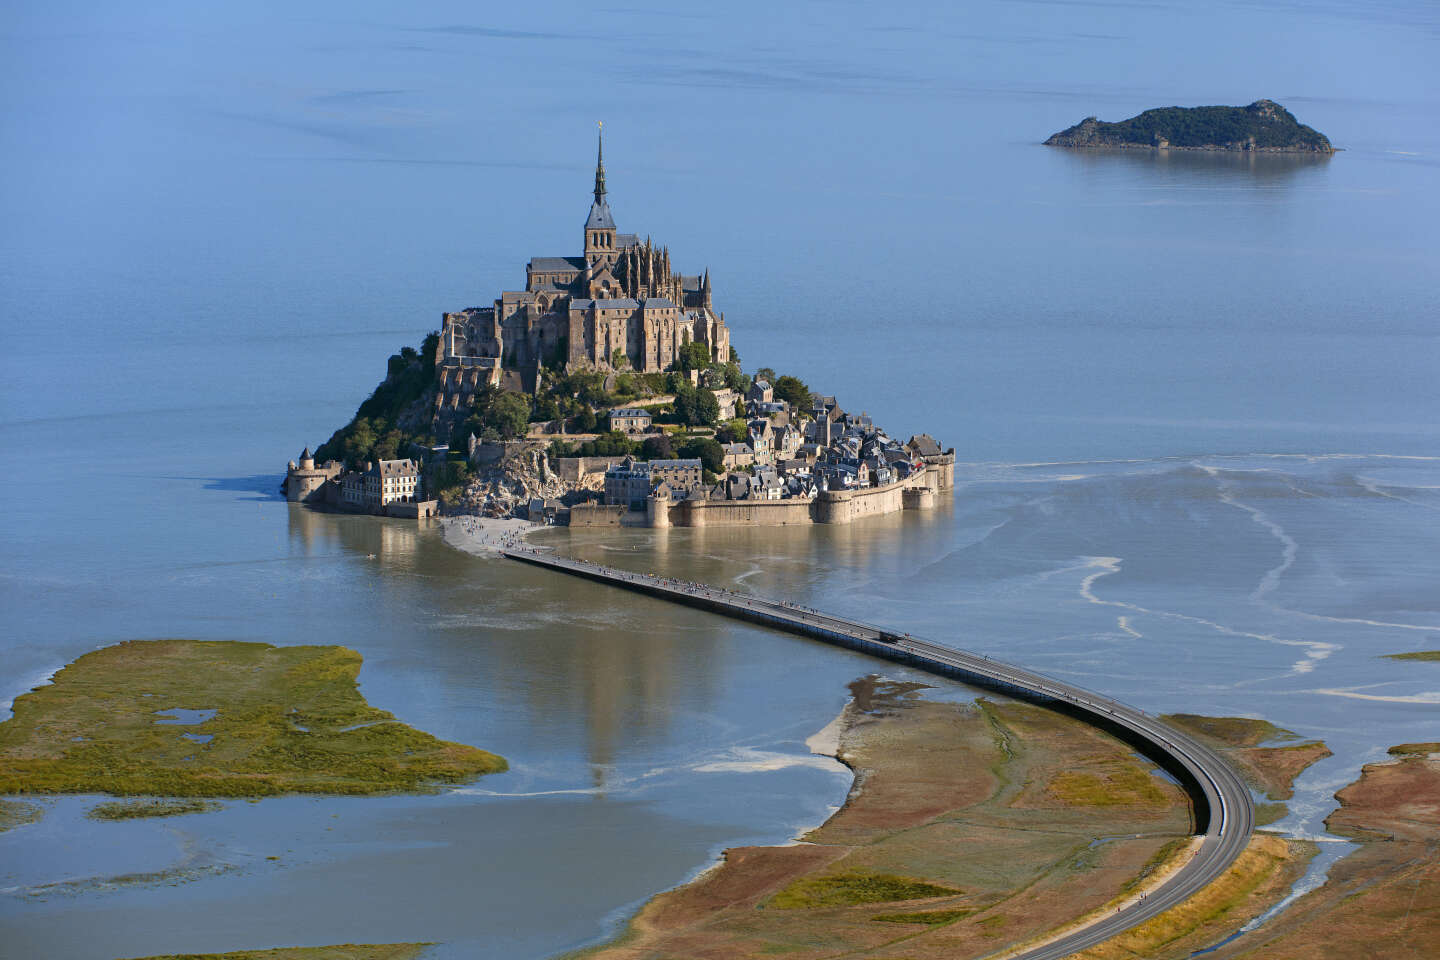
x: 1194, y: 397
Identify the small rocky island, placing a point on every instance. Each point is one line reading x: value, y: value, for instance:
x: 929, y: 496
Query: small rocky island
x: 1264, y: 126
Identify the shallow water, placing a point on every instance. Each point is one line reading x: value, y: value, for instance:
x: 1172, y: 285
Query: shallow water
x: 1194, y: 397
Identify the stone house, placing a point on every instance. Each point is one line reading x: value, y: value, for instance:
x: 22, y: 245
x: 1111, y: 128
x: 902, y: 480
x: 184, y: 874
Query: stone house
x: 630, y: 420
x: 738, y: 455
x: 762, y: 440
x: 392, y: 481
x: 760, y: 392
x: 679, y: 474
x: 627, y: 482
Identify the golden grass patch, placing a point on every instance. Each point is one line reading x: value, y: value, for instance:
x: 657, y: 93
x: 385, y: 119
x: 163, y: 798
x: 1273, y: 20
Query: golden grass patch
x: 1216, y: 904
x: 1116, y: 783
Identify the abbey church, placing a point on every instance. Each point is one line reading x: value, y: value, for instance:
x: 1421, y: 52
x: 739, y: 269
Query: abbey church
x: 617, y: 306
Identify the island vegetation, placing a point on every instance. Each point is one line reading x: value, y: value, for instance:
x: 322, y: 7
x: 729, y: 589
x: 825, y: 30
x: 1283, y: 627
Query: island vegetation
x: 396, y: 420
x: 189, y: 718
x: 147, y: 809
x: 1263, y: 126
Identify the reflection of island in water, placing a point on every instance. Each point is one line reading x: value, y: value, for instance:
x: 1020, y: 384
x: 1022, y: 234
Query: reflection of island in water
x: 1249, y: 164
x: 599, y: 665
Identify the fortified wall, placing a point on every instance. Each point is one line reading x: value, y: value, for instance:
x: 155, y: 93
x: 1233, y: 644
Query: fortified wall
x: 918, y: 492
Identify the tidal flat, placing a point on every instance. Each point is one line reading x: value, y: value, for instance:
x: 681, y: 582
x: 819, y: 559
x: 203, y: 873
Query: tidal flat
x: 342, y: 951
x: 190, y: 718
x: 1383, y: 900
x: 971, y: 827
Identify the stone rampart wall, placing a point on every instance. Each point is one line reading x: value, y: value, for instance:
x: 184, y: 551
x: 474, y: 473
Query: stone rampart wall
x: 597, y: 514
x: 731, y: 513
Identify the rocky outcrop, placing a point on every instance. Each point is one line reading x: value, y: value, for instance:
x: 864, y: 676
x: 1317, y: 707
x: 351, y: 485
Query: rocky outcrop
x: 1264, y: 127
x: 522, y: 474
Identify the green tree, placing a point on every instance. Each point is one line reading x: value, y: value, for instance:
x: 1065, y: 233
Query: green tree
x: 618, y: 359
x: 544, y: 409
x: 611, y: 444
x: 707, y: 450
x: 733, y: 431
x: 583, y: 421
x: 793, y: 391
x: 734, y: 357
x: 692, y: 356
x: 696, y: 407
x: 766, y: 373
x: 657, y: 448
x: 508, y: 414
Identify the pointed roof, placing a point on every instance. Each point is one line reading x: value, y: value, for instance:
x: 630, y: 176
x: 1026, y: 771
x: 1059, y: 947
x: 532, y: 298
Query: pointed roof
x: 600, y: 218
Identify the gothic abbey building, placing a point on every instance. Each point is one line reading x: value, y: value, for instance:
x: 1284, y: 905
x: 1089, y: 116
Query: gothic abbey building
x: 617, y: 306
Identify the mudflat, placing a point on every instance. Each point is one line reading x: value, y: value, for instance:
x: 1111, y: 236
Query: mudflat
x: 343, y: 951
x: 188, y: 718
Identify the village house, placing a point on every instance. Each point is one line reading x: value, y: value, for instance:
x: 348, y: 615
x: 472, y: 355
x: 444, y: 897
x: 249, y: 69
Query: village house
x: 737, y: 455
x: 627, y: 482
x: 760, y: 392
x: 679, y: 474
x: 630, y: 420
x: 761, y: 440
x: 392, y: 481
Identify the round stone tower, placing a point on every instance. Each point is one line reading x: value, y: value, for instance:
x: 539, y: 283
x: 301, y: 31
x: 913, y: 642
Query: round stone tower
x: 304, y: 480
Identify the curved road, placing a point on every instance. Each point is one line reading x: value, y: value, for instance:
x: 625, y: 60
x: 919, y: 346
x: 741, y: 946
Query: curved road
x: 1225, y: 816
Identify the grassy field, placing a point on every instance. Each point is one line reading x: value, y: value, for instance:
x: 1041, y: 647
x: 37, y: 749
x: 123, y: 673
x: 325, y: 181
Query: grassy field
x: 273, y: 720
x: 343, y: 951
x: 1414, y: 749
x: 846, y: 889
x: 1230, y: 731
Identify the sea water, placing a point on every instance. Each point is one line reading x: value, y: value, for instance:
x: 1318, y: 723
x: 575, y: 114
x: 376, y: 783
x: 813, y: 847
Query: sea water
x: 1193, y: 398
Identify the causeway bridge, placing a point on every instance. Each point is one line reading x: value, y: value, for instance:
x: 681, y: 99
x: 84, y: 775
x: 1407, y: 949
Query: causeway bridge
x: 1223, y: 812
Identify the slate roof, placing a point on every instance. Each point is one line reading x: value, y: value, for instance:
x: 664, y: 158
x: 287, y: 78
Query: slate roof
x: 600, y: 218
x: 553, y: 264
x: 657, y: 303
x: 397, y: 468
x: 925, y: 445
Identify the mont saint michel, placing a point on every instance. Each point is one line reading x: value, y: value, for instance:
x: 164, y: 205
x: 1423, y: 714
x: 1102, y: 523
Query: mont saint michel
x: 606, y: 393
x: 1146, y: 667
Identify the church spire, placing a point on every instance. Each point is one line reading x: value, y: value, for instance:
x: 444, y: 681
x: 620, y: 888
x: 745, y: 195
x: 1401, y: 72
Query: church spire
x: 600, y: 164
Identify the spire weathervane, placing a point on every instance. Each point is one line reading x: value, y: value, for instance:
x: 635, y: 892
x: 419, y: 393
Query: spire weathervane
x: 600, y: 163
